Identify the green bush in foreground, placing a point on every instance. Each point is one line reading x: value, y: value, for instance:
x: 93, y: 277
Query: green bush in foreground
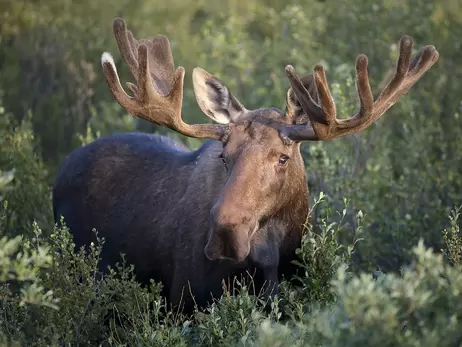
x: 420, y: 307
x: 20, y: 264
x: 90, y: 306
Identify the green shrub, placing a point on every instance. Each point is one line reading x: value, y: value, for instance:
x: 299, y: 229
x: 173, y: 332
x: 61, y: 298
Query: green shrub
x: 421, y: 307
x: 319, y: 258
x: 89, y: 305
x: 28, y: 197
x: 453, y: 238
x: 232, y: 319
x: 21, y: 261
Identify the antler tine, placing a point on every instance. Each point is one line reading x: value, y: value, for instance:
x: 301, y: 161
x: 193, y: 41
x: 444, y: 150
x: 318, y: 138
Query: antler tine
x: 128, y: 45
x: 422, y: 62
x: 324, y: 123
x: 158, y: 95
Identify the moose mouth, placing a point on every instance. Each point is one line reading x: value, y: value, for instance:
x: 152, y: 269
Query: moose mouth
x: 230, y: 244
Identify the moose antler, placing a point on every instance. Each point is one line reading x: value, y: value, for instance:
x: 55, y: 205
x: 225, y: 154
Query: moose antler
x: 324, y: 123
x: 158, y: 95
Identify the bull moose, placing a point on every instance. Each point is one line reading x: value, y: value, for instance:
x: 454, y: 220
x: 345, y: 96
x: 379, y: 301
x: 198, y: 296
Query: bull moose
x: 236, y: 205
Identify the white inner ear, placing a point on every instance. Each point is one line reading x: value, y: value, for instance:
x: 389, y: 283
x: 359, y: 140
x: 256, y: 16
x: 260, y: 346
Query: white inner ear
x: 218, y: 103
x: 220, y: 118
x: 214, y: 107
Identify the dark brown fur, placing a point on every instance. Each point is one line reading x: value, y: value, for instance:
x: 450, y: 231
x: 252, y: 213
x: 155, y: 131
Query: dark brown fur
x: 151, y: 199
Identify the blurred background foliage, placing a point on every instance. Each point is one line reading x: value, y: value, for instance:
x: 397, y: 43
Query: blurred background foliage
x: 404, y: 172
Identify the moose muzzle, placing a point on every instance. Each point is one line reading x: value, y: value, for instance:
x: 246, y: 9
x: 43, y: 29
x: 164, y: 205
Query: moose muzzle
x: 229, y: 237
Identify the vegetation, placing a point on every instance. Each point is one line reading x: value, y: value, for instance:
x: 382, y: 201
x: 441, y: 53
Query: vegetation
x: 383, y: 266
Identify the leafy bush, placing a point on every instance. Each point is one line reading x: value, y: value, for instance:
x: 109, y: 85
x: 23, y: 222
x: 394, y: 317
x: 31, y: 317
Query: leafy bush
x: 231, y: 319
x: 20, y: 265
x: 28, y: 196
x: 319, y: 258
x: 91, y: 307
x: 422, y: 307
x: 453, y: 238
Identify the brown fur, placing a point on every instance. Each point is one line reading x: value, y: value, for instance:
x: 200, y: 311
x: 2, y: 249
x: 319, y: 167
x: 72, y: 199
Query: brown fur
x: 189, y: 219
x: 158, y: 203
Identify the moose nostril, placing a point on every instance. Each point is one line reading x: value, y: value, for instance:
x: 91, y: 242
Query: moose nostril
x: 217, y: 246
x: 226, y: 242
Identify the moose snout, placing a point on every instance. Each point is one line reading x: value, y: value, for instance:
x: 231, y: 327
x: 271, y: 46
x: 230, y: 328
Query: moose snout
x: 227, y: 243
x: 229, y: 236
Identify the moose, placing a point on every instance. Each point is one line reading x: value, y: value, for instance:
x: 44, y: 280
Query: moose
x: 239, y: 203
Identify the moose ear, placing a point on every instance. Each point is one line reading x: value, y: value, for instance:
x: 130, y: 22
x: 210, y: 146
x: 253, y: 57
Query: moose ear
x: 293, y: 108
x: 214, y: 98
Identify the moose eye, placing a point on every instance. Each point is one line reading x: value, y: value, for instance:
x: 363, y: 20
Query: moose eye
x: 283, y: 159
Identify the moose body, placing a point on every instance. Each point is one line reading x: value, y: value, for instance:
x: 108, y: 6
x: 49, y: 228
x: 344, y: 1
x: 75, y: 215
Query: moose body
x: 164, y: 228
x: 235, y: 206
